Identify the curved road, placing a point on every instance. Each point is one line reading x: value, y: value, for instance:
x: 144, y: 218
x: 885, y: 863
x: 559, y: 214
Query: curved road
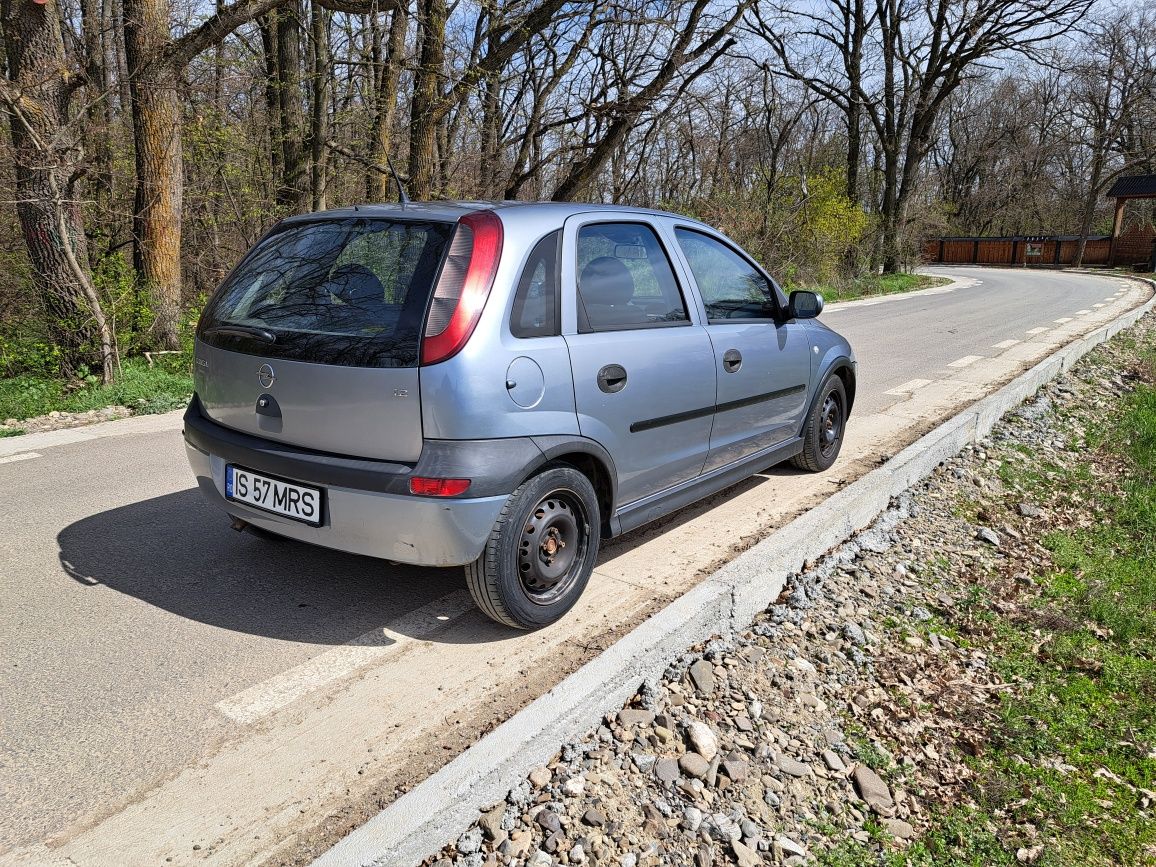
x: 169, y: 684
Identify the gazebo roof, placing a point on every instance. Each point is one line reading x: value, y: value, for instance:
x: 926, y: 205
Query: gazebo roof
x: 1133, y: 187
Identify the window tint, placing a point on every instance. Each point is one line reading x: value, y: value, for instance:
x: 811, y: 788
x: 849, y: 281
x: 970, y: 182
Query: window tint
x: 349, y: 292
x: 731, y: 287
x: 625, y: 279
x: 535, y: 311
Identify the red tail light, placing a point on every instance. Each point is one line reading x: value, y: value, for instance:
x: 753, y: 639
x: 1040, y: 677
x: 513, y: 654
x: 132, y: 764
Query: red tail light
x: 463, y: 287
x: 438, y: 487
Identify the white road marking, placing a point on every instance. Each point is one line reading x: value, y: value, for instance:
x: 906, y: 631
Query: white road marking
x: 1005, y: 344
x: 1036, y: 330
x: 280, y: 690
x: 23, y: 456
x: 965, y: 361
x: 908, y: 387
x: 1082, y: 312
x: 1062, y: 320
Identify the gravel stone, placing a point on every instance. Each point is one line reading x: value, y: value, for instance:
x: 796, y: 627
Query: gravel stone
x: 694, y: 765
x: 853, y: 632
x: 792, y: 767
x: 872, y: 789
x: 702, y: 673
x: 634, y: 717
x: 666, y: 770
x: 988, y: 536
x: 833, y: 762
x: 548, y: 821
x: 470, y: 842
x: 899, y: 829
x: 702, y: 739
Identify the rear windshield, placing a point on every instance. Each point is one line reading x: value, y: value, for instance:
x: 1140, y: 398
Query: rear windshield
x: 350, y: 292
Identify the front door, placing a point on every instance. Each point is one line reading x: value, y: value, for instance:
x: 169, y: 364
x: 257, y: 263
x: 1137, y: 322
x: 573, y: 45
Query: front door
x: 644, y: 382
x: 762, y: 363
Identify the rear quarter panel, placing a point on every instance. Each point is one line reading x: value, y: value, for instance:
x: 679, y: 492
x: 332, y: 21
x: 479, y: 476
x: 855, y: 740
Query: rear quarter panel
x: 466, y: 397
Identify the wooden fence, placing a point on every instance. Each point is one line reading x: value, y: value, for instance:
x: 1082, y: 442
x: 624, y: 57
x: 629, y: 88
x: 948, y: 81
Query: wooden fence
x: 1045, y: 250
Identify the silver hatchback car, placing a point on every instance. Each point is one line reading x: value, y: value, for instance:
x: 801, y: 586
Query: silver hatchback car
x: 501, y: 385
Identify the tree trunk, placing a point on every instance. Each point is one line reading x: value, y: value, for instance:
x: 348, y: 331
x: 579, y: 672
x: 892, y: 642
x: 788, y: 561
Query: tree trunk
x: 320, y: 66
x: 268, y: 28
x: 1090, y: 201
x: 37, y: 94
x: 159, y: 165
x: 293, y: 193
x: 385, y: 97
x: 423, y: 161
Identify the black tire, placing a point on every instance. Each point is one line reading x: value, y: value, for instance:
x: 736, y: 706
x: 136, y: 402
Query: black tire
x: 826, y: 423
x: 541, y: 551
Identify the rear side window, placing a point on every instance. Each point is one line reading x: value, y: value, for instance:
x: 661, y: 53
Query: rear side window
x: 348, y: 292
x: 731, y: 287
x: 625, y: 279
x: 535, y: 312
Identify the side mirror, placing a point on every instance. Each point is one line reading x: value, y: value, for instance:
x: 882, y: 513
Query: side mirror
x: 805, y: 305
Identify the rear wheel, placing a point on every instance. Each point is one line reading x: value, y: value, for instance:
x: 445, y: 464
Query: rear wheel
x: 823, y: 435
x: 541, y: 551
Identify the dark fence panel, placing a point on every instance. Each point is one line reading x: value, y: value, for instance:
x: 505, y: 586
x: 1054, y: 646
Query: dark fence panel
x: 1038, y: 250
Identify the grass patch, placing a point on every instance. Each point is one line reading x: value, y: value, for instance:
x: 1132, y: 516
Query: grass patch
x: 879, y: 284
x: 1075, y: 748
x: 11, y: 432
x: 1069, y: 767
x: 165, y: 386
x: 960, y: 839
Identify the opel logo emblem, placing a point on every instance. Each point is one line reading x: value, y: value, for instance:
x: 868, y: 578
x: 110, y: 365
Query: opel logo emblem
x: 265, y: 376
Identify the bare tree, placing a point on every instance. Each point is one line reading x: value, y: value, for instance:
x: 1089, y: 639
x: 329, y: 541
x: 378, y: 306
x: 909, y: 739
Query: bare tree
x: 1112, y: 87
x: 38, y: 97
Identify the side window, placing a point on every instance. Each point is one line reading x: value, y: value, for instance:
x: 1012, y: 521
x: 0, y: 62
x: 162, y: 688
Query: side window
x: 731, y: 287
x: 535, y: 312
x: 625, y: 279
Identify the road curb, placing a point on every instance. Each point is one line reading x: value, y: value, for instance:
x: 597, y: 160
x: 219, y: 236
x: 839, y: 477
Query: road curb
x: 420, y: 822
x: 98, y: 430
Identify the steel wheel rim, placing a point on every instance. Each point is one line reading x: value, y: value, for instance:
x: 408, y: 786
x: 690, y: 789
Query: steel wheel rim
x: 552, y: 547
x: 830, y: 423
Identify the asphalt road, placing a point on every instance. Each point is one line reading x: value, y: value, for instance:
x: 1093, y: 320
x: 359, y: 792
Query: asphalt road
x: 137, y: 630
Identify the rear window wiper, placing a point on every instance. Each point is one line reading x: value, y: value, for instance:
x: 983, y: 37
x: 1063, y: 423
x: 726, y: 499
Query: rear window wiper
x: 242, y: 331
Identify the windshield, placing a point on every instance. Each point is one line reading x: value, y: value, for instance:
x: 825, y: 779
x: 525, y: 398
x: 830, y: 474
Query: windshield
x: 350, y: 292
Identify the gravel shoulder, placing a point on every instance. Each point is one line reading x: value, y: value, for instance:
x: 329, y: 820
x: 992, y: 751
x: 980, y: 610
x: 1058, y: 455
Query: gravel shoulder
x: 888, y: 709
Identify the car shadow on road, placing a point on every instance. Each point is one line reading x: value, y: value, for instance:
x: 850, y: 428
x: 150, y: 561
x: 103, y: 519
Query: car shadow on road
x: 179, y: 554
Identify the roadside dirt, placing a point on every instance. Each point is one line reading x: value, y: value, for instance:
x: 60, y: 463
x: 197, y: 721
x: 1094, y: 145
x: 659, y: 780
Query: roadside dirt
x: 848, y: 720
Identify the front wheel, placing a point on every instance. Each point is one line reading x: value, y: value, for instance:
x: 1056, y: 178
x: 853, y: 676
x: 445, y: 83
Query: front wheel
x: 823, y: 434
x: 541, y: 551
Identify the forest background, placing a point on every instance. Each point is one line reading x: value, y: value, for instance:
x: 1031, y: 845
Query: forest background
x: 150, y: 143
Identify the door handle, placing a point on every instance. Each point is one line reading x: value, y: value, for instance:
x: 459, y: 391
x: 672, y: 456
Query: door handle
x: 732, y: 360
x: 612, y: 378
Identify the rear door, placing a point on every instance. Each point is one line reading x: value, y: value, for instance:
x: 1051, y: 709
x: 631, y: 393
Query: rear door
x: 643, y: 367
x: 762, y: 363
x: 314, y: 339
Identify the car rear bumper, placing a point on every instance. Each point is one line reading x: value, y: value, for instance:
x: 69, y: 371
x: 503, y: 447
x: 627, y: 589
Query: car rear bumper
x: 424, y: 531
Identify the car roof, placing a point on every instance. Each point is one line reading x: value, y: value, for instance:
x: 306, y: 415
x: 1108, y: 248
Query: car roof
x: 454, y: 210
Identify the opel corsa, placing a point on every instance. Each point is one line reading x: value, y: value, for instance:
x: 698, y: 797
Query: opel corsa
x: 501, y: 386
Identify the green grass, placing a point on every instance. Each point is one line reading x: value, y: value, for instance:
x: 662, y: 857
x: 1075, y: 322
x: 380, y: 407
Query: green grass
x: 879, y: 284
x: 11, y: 432
x: 143, y: 389
x: 1069, y: 746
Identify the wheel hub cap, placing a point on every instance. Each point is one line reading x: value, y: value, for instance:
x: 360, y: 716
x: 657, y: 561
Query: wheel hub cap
x: 549, y: 547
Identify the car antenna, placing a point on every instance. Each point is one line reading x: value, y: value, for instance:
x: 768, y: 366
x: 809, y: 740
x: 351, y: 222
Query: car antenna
x: 401, y: 196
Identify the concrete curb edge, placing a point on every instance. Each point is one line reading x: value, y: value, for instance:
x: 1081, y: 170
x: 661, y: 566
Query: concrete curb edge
x: 439, y: 808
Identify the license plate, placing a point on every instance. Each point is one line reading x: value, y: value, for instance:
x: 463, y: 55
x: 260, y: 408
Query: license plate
x: 299, y: 502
